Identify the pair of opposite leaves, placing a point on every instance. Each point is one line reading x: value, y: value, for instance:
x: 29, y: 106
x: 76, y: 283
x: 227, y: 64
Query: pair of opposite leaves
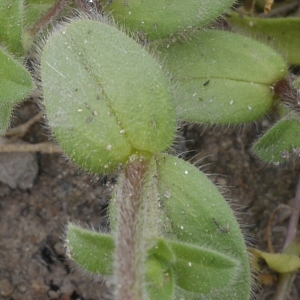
x: 107, y: 101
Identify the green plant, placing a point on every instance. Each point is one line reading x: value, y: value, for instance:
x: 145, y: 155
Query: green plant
x: 111, y: 106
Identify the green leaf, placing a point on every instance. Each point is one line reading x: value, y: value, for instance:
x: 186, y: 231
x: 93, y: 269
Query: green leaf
x: 11, y: 25
x: 15, y: 85
x: 202, y: 270
x: 223, y: 78
x: 198, y: 214
x: 279, y: 262
x: 280, y: 143
x: 105, y: 97
x: 35, y: 9
x: 162, y: 251
x: 91, y: 250
x: 162, y: 19
x: 160, y: 280
x: 280, y: 33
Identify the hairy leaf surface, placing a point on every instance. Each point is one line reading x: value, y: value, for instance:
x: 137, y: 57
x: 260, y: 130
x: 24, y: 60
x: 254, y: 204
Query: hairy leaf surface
x: 105, y: 96
x: 223, y: 77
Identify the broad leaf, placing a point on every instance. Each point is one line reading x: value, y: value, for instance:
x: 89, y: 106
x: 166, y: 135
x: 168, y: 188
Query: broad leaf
x: 105, y: 96
x: 281, y: 143
x: 15, y: 85
x: 92, y: 250
x: 202, y: 270
x: 222, y: 77
x: 11, y: 25
x: 198, y: 214
x: 162, y: 19
x: 280, y: 33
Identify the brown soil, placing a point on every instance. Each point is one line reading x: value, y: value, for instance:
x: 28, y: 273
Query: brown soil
x: 33, y: 262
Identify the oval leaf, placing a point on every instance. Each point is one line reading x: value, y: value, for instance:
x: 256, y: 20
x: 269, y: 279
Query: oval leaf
x: 281, y: 143
x: 91, y: 250
x: 105, y: 96
x: 11, y: 15
x: 202, y: 270
x: 199, y: 215
x: 161, y: 19
x: 15, y: 85
x: 280, y: 33
x: 223, y: 78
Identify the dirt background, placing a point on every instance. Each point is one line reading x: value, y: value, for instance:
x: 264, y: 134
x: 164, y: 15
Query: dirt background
x: 33, y: 263
x: 43, y: 194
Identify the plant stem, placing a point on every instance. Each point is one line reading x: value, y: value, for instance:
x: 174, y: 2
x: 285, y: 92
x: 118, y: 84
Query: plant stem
x: 130, y: 233
x: 294, y: 219
x: 54, y: 11
x: 286, y: 280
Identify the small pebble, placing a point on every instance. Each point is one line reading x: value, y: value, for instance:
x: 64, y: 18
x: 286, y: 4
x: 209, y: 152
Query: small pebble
x: 6, y: 288
x: 60, y: 249
x: 54, y: 294
x: 21, y: 286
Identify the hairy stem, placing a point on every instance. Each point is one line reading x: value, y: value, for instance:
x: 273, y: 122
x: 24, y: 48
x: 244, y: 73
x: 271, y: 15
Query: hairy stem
x: 130, y: 237
x: 54, y: 11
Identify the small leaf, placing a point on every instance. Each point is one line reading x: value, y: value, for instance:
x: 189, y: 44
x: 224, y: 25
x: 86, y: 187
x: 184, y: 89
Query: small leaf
x: 280, y: 33
x: 280, y: 143
x: 11, y: 25
x: 202, y: 270
x: 15, y: 85
x: 160, y: 280
x: 162, y: 251
x: 196, y: 213
x: 161, y: 19
x: 279, y: 262
x: 105, y: 97
x: 92, y: 250
x: 223, y: 77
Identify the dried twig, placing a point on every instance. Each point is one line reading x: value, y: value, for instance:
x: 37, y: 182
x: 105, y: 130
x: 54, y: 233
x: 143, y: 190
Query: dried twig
x: 271, y: 221
x: 54, y: 11
x: 286, y: 280
x: 21, y: 130
x: 281, y: 10
x: 268, y: 6
x: 45, y: 147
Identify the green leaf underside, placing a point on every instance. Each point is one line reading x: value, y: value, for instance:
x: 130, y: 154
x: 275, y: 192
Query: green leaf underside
x: 15, y: 85
x: 281, y: 143
x: 92, y: 250
x: 160, y: 19
x: 11, y: 25
x: 105, y: 96
x: 280, y: 33
x: 223, y: 77
x: 202, y: 270
x: 198, y: 214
